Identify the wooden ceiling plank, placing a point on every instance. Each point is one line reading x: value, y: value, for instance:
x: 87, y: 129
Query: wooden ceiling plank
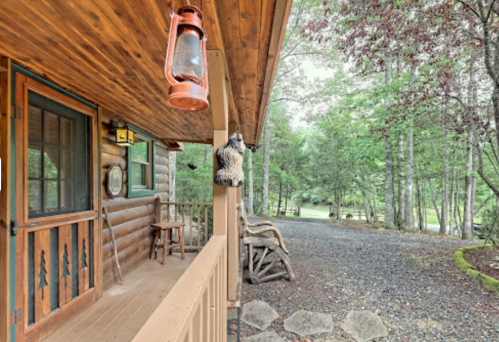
x: 54, y: 62
x: 29, y: 45
x: 151, y: 23
x: 281, y: 15
x: 94, y: 40
x: 229, y: 23
x: 134, y: 60
x: 128, y: 21
x: 251, y: 13
x: 265, y: 32
x: 219, y: 44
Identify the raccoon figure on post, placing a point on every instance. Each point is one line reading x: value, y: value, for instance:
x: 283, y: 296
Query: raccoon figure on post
x: 230, y: 159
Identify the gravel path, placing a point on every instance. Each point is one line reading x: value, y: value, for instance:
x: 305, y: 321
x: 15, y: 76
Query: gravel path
x: 409, y: 280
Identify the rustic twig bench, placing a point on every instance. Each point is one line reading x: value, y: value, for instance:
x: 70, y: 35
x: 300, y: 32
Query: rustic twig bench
x: 267, y: 257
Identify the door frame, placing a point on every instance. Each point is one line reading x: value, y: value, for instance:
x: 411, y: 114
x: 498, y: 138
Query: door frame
x: 21, y: 85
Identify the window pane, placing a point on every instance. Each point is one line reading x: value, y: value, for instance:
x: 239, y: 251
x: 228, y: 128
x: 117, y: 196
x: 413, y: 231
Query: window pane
x: 138, y: 175
x: 50, y: 197
x: 140, y: 152
x: 35, y: 161
x: 34, y: 196
x: 50, y: 163
x: 66, y: 192
x: 34, y: 124
x: 65, y: 165
x: 66, y: 132
x: 50, y: 128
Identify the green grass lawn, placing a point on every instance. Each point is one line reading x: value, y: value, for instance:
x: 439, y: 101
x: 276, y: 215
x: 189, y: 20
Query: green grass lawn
x: 431, y: 214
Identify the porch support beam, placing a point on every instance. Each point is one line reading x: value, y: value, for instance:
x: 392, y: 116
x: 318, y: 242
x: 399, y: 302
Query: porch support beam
x: 233, y: 240
x: 219, y: 102
x: 5, y: 137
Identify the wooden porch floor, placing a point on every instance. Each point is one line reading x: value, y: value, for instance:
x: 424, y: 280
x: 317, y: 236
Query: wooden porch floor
x: 122, y: 310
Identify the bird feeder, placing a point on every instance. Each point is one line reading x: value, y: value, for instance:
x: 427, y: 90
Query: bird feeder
x: 186, y: 63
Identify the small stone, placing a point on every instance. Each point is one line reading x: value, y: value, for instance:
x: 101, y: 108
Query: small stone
x: 364, y: 326
x: 258, y: 314
x: 304, y: 323
x: 264, y: 337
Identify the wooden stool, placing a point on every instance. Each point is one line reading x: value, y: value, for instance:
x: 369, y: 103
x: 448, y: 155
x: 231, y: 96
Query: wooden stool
x: 167, y: 243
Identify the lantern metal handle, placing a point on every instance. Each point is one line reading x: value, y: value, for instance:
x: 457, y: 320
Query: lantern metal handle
x: 171, y: 46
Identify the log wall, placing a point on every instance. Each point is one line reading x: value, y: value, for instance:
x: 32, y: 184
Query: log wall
x: 130, y: 217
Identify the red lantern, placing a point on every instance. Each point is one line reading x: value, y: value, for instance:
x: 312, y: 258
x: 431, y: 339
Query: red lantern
x: 186, y: 67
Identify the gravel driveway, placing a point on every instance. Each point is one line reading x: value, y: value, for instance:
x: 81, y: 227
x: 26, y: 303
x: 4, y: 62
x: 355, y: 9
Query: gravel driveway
x: 409, y: 280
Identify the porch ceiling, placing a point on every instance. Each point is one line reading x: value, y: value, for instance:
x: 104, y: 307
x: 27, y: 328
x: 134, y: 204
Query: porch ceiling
x: 112, y: 53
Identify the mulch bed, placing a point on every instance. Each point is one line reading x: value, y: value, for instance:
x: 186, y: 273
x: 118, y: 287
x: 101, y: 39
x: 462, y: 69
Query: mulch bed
x: 481, y: 259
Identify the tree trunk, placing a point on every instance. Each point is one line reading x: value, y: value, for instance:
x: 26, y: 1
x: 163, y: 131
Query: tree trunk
x: 366, y: 209
x: 452, y: 194
x: 286, y: 201
x: 419, y: 204
x: 468, y: 180
x: 375, y: 209
x: 401, y: 185
x: 338, y: 205
x: 250, y: 183
x: 445, y: 181
x: 423, y: 195
x: 280, y: 200
x: 433, y: 199
x: 266, y: 163
x: 389, y: 214
x: 409, y: 209
x: 171, y: 179
x: 459, y: 219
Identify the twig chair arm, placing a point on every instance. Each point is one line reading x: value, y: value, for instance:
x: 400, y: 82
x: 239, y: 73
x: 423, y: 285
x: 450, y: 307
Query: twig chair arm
x: 265, y: 223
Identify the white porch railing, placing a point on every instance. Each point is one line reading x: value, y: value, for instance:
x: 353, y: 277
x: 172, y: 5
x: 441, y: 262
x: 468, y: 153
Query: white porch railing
x: 195, y: 310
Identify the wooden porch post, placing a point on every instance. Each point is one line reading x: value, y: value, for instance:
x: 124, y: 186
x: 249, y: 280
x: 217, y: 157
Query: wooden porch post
x: 220, y: 110
x: 233, y: 280
x: 5, y: 136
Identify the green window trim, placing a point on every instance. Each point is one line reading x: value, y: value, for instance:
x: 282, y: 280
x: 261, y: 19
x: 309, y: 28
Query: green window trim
x: 141, y: 192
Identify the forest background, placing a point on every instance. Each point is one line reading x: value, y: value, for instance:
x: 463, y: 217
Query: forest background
x: 402, y: 128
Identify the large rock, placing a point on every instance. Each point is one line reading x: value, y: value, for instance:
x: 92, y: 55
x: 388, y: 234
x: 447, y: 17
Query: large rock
x: 258, y: 314
x: 265, y: 337
x: 306, y: 323
x: 364, y: 326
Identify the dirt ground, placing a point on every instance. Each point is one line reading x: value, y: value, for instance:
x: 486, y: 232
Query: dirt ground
x: 409, y: 280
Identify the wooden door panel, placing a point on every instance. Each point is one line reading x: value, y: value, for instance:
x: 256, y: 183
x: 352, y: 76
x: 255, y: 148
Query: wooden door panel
x: 65, y: 271
x: 83, y: 257
x: 42, y: 274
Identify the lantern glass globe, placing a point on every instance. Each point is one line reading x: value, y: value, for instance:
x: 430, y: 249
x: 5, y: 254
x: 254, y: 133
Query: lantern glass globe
x: 188, y: 57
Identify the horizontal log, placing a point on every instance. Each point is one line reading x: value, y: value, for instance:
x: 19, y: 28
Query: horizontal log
x: 162, y: 178
x: 119, y: 217
x: 111, y: 159
x: 113, y: 277
x: 118, y: 204
x: 164, y: 161
x: 160, y: 169
x: 126, y: 241
x: 128, y: 254
x: 111, y: 148
x: 128, y: 228
x: 161, y: 151
x: 162, y: 187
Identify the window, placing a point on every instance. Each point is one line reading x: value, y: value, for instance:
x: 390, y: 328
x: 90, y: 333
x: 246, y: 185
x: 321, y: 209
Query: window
x: 58, y: 158
x: 141, y: 172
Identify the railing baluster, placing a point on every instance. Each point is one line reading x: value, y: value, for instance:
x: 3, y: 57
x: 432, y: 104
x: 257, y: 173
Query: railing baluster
x: 206, y: 226
x: 199, y: 225
x: 190, y: 231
